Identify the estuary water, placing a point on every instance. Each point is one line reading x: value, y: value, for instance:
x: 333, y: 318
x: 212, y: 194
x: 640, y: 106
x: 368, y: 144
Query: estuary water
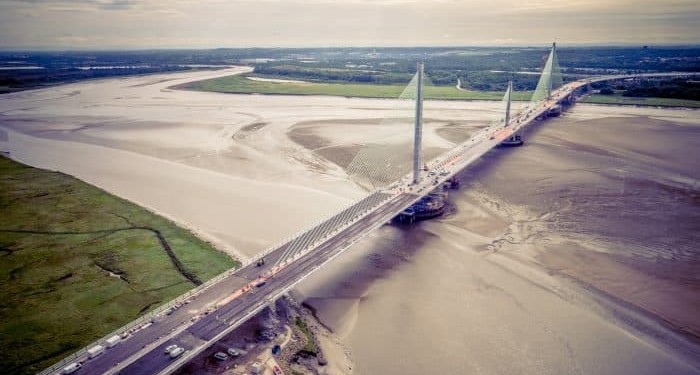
x: 574, y: 254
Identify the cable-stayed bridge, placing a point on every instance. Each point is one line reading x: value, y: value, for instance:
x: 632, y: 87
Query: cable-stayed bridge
x: 201, y: 317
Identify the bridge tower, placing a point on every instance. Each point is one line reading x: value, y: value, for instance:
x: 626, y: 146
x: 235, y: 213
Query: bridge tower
x: 550, y: 64
x: 509, y: 94
x: 418, y: 130
x: 517, y: 138
x: 550, y: 80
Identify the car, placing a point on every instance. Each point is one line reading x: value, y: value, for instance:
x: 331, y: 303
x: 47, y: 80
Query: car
x: 221, y: 356
x: 176, y: 352
x: 170, y: 348
x: 233, y: 352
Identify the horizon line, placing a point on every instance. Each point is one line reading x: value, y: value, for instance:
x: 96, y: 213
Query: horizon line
x: 202, y: 48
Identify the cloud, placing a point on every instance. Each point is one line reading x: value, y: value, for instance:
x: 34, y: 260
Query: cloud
x: 116, y: 4
x: 232, y: 23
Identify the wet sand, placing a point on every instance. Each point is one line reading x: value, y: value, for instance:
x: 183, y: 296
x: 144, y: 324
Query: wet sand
x: 529, y: 273
x: 606, y: 224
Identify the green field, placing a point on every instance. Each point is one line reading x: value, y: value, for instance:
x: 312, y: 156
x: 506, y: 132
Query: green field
x: 77, y: 263
x: 240, y: 84
x: 624, y: 100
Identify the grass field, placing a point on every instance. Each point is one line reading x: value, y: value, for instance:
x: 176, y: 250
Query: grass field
x: 624, y: 100
x: 240, y: 84
x: 77, y: 263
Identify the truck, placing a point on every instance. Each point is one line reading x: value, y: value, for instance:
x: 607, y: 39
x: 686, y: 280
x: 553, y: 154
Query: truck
x: 95, y: 351
x: 114, y: 340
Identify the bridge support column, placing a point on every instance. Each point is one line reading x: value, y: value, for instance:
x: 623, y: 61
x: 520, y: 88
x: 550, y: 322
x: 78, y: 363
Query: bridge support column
x: 517, y: 138
x: 418, y: 131
x: 508, y: 100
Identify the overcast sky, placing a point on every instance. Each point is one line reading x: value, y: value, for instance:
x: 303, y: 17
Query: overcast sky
x: 105, y: 24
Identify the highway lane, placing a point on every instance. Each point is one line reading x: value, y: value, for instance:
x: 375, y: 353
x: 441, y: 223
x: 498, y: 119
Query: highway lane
x: 162, y: 327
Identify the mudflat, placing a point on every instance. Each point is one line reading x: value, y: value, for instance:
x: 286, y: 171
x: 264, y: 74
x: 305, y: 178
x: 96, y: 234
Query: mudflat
x: 495, y: 286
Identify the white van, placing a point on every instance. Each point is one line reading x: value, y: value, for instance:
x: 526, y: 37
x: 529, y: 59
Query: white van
x: 73, y: 367
x: 114, y: 340
x: 95, y: 351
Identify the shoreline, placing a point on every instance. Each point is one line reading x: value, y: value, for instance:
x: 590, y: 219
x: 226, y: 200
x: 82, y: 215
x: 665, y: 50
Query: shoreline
x: 213, y: 241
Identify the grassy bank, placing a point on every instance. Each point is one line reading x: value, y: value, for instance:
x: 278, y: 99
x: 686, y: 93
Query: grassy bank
x: 240, y: 84
x: 618, y: 99
x: 310, y: 342
x: 77, y: 263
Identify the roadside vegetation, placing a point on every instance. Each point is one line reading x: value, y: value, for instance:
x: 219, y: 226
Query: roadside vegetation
x: 77, y: 263
x: 310, y: 346
x: 653, y: 92
x: 482, y: 73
